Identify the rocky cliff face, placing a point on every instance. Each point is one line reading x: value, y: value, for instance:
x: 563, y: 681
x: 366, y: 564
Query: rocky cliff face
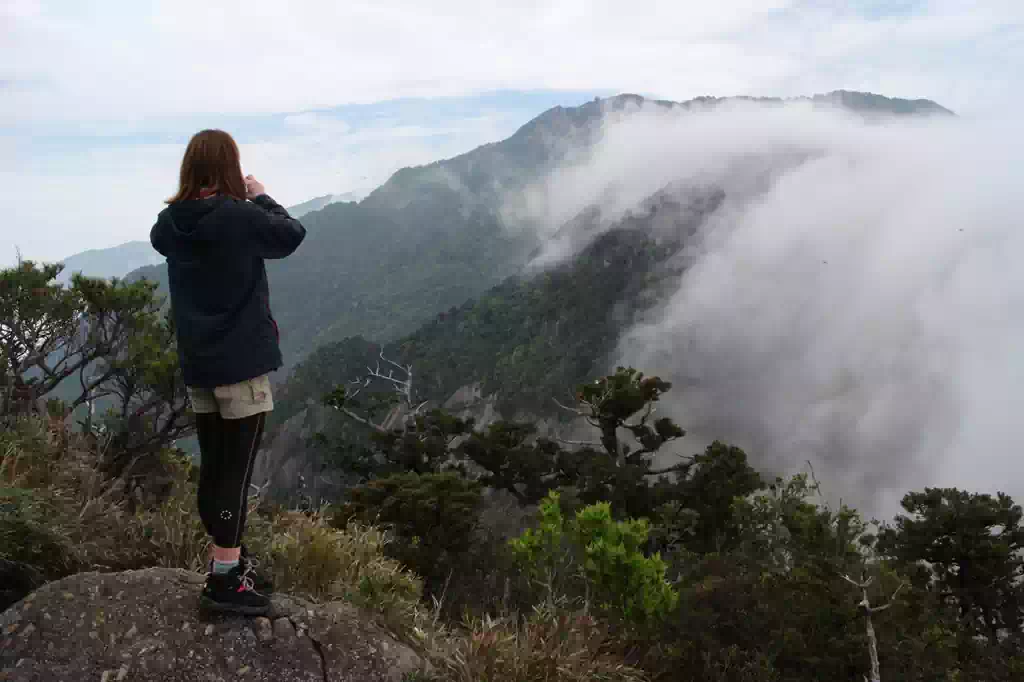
x: 291, y: 465
x: 145, y: 626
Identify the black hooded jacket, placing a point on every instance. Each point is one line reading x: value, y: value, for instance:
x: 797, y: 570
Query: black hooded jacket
x: 220, y: 299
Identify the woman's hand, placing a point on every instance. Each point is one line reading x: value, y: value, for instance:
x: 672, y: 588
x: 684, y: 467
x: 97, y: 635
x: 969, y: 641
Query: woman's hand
x: 253, y: 187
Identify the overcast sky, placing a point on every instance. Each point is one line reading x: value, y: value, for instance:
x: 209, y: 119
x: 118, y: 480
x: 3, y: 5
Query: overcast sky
x: 98, y: 98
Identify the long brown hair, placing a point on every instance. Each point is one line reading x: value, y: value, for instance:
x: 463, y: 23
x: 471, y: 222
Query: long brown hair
x: 210, y: 161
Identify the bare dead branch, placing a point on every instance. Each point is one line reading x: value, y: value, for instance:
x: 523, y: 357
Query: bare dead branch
x: 865, y: 604
x: 681, y: 466
x: 407, y: 369
x: 891, y: 601
x: 362, y: 420
x: 643, y: 419
x: 390, y: 376
x: 570, y: 409
x: 851, y: 581
x: 583, y: 443
x: 360, y: 384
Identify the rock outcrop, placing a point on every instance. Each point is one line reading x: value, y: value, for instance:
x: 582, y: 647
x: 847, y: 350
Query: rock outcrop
x: 145, y: 626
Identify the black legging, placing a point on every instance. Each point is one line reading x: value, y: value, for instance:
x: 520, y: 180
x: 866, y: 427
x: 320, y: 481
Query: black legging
x: 228, y: 448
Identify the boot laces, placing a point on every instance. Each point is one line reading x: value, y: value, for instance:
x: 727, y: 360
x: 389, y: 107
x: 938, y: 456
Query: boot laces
x: 247, y: 583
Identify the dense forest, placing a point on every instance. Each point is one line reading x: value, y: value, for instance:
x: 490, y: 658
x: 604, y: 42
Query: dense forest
x: 700, y: 569
x: 535, y: 334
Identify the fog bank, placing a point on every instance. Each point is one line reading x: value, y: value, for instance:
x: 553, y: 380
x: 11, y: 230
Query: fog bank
x: 856, y: 300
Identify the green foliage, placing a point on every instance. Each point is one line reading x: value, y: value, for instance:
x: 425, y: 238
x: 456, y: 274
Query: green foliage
x: 541, y: 551
x: 973, y: 545
x: 508, y: 456
x: 432, y: 517
x: 525, y: 340
x: 94, y: 340
x: 423, y: 445
x: 623, y: 580
x: 782, y: 526
x: 762, y: 597
x: 38, y: 314
x: 758, y: 589
x: 605, y: 554
x: 529, y: 338
x: 513, y: 460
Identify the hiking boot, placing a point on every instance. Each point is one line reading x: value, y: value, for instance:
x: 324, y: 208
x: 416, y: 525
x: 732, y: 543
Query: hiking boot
x: 261, y: 581
x: 233, y: 592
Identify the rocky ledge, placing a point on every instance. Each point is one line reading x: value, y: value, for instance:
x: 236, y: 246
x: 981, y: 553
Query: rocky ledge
x: 145, y: 626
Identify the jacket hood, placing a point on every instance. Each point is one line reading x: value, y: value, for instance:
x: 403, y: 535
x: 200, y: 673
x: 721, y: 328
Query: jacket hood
x: 186, y: 222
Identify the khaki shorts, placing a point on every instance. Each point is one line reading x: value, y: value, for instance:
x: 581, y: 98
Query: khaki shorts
x: 236, y: 401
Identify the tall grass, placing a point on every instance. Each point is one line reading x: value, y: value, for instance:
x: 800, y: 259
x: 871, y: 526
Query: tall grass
x: 552, y: 645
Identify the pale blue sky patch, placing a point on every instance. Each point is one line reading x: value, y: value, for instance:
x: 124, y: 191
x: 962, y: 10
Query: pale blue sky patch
x: 878, y: 9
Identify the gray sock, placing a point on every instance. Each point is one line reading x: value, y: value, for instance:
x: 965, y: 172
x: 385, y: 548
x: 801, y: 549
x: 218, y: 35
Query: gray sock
x: 222, y: 567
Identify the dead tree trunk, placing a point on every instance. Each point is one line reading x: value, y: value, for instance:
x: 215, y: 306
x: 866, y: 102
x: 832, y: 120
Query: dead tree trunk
x: 403, y: 387
x: 868, y: 610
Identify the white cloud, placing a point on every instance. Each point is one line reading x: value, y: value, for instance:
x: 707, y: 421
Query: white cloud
x: 317, y: 125
x: 115, y: 71
x: 122, y: 61
x: 853, y: 302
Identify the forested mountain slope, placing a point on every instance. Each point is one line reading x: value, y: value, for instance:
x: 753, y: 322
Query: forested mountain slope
x: 434, y: 236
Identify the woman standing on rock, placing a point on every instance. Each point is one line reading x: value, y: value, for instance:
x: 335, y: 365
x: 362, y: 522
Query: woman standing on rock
x: 216, y: 233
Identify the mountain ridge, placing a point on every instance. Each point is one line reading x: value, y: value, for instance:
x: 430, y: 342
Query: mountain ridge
x: 433, y: 236
x: 112, y: 261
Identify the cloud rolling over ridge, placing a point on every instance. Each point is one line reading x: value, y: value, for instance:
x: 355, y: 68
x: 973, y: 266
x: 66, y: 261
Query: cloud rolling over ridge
x: 851, y: 301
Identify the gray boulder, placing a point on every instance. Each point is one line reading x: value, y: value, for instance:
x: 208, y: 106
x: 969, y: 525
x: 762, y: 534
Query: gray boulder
x: 145, y: 626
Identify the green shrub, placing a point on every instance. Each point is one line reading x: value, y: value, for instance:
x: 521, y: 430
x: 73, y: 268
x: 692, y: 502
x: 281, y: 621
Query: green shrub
x: 606, y: 555
x: 539, y: 549
x: 623, y: 580
x: 432, y: 518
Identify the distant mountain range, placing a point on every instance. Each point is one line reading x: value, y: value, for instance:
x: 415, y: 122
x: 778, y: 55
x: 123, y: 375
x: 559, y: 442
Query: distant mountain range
x: 317, y: 203
x: 116, y: 261
x: 120, y: 260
